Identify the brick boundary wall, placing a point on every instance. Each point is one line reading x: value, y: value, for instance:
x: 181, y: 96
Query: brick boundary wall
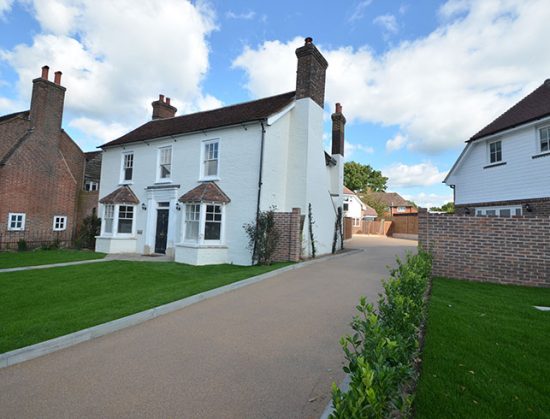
x: 289, y: 226
x: 490, y: 249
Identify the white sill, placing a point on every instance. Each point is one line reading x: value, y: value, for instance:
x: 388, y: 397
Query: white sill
x: 163, y: 181
x: 201, y: 246
x: 209, y: 178
x: 16, y: 229
x: 117, y: 237
x: 126, y: 182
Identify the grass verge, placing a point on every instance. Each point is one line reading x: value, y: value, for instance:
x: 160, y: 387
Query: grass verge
x: 38, y: 305
x: 45, y: 257
x: 486, y: 353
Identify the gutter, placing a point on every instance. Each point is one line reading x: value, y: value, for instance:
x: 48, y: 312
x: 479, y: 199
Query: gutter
x: 260, y: 181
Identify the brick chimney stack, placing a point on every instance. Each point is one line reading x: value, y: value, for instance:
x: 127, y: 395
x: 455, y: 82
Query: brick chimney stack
x: 338, y: 125
x: 47, y: 102
x: 163, y: 109
x: 311, y: 72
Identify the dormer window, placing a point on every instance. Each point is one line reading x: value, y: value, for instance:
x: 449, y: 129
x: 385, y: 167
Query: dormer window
x: 495, y: 152
x: 544, y: 138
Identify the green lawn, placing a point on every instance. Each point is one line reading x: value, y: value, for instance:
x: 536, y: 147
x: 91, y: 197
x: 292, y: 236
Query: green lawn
x: 487, y: 352
x: 45, y: 257
x: 37, y: 305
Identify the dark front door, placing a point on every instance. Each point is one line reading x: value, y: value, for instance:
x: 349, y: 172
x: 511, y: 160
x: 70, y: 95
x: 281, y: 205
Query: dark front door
x: 162, y: 231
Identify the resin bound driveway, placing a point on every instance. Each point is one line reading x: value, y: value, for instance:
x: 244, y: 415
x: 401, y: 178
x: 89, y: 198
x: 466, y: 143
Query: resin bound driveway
x: 268, y: 350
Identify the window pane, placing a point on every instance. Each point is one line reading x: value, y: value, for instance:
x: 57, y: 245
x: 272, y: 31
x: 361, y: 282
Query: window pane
x: 192, y: 230
x: 108, y: 225
x: 211, y: 167
x: 192, y: 216
x: 165, y: 171
x: 212, y: 230
x: 125, y: 218
x: 124, y: 226
x: 505, y: 213
x: 490, y: 212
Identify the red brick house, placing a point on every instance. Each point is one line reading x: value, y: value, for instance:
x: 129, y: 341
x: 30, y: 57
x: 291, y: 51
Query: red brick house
x: 394, y: 203
x: 42, y: 170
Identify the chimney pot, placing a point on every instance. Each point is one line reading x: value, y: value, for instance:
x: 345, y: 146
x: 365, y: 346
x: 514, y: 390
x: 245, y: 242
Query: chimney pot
x: 308, y: 40
x: 163, y: 109
x: 168, y: 101
x: 161, y: 98
x: 45, y: 70
x: 57, y: 77
x: 311, y: 73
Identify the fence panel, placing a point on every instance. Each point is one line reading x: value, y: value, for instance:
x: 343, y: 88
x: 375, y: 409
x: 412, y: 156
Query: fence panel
x: 405, y: 224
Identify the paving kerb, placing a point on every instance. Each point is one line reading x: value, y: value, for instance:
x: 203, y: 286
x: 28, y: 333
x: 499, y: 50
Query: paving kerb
x: 53, y: 265
x: 344, y: 386
x: 43, y: 348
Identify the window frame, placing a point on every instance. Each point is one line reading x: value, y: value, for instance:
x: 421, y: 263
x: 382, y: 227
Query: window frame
x: 539, y: 139
x: 204, y: 145
x: 201, y: 237
x: 159, y: 168
x: 123, y: 168
x: 22, y: 221
x: 119, y: 219
x: 93, y: 186
x: 57, y: 221
x: 490, y: 153
x: 482, y: 211
x: 116, y: 220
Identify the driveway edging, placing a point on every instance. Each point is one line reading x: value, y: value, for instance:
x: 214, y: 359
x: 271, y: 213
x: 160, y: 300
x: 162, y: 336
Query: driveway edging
x: 43, y: 348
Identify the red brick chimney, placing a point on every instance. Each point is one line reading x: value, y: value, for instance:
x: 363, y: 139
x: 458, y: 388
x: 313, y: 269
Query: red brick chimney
x: 338, y: 125
x: 47, y: 100
x: 162, y: 108
x: 311, y: 72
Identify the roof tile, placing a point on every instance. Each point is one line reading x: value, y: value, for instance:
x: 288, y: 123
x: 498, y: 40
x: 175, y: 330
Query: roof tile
x: 123, y: 195
x: 206, y: 192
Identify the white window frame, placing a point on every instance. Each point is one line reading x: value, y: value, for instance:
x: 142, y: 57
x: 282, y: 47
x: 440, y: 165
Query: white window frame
x: 201, y: 240
x: 159, y: 154
x: 22, y: 221
x: 356, y: 222
x: 114, y: 229
x: 124, y: 181
x: 539, y: 139
x: 91, y: 186
x: 489, y: 152
x: 204, y: 144
x: 482, y: 211
x: 401, y: 209
x: 59, y: 223
x: 104, y: 218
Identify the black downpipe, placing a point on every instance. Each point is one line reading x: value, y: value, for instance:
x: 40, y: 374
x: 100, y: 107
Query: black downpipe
x: 259, y: 186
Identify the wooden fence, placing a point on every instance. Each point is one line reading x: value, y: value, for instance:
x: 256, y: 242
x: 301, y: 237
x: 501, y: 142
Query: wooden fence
x: 404, y: 224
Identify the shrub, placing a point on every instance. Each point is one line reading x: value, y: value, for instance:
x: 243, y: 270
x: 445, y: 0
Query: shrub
x: 22, y: 245
x: 381, y: 353
x: 262, y: 237
x: 89, y: 229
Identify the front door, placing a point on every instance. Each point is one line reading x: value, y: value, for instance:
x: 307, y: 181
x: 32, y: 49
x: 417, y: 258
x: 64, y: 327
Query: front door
x: 162, y: 231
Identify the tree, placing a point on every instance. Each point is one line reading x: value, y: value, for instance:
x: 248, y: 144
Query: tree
x: 375, y: 204
x: 449, y: 208
x: 360, y: 177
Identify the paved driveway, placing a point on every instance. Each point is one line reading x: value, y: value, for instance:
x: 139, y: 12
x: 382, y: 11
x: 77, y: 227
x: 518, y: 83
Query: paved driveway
x: 269, y: 350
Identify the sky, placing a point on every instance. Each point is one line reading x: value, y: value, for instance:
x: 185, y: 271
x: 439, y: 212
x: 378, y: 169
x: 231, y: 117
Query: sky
x: 415, y: 78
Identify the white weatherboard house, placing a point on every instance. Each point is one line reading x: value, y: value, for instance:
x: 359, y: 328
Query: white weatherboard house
x: 505, y: 167
x: 186, y: 185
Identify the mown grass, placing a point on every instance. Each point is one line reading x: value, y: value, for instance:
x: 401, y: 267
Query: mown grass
x: 45, y: 257
x: 37, y: 305
x: 487, y: 352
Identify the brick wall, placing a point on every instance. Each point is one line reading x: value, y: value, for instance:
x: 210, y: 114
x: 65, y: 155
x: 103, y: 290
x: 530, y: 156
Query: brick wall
x: 493, y: 249
x: 289, y: 225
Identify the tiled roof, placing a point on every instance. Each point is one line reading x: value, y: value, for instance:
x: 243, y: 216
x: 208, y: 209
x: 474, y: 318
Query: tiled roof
x: 348, y: 191
x: 229, y: 115
x: 369, y: 211
x: 205, y: 192
x: 534, y: 106
x: 390, y: 199
x: 22, y: 114
x: 123, y: 195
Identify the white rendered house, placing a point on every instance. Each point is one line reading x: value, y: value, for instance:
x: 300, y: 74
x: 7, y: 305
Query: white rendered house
x: 186, y: 185
x: 504, y: 168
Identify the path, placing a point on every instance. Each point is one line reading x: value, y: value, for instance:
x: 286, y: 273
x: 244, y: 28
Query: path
x: 269, y: 350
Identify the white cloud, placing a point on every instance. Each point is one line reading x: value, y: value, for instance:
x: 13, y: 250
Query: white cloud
x: 396, y: 143
x: 404, y: 176
x: 5, y: 7
x: 243, y: 16
x: 440, y: 89
x: 115, y: 62
x: 388, y: 22
x: 350, y: 149
x: 428, y: 200
x: 99, y: 130
x: 359, y: 10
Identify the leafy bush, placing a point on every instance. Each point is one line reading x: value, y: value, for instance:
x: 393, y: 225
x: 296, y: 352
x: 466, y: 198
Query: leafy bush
x: 381, y: 353
x: 89, y: 229
x: 263, y: 237
x: 21, y: 245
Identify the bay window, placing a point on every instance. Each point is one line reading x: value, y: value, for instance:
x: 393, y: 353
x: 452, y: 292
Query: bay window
x: 118, y: 219
x: 192, y: 219
x: 125, y: 218
x: 203, y: 223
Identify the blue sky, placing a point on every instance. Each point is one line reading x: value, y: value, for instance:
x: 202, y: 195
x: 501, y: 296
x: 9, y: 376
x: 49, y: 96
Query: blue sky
x: 415, y: 78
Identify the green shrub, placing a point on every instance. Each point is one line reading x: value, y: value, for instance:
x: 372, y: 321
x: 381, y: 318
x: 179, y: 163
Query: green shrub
x: 22, y: 245
x: 89, y: 229
x: 263, y: 237
x: 381, y: 352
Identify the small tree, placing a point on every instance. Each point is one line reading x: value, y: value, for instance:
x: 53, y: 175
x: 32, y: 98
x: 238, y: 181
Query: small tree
x: 89, y: 229
x: 262, y: 237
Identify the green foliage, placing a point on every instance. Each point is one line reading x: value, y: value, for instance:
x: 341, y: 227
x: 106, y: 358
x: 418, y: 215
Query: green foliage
x: 21, y: 245
x: 89, y: 229
x: 262, y: 237
x: 381, y: 352
x: 449, y: 208
x: 361, y: 177
x: 375, y: 204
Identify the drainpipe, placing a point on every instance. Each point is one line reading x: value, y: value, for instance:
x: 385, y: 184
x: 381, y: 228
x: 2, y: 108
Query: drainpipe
x: 259, y: 181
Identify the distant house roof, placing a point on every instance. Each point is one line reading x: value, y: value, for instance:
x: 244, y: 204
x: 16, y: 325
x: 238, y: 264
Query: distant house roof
x: 122, y: 195
x: 205, y: 192
x: 534, y: 106
x: 348, y: 191
x: 255, y: 110
x: 390, y: 199
x: 369, y: 211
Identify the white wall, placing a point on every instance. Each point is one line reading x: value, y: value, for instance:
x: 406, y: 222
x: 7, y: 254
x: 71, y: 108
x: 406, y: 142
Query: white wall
x: 354, y: 206
x: 522, y: 177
